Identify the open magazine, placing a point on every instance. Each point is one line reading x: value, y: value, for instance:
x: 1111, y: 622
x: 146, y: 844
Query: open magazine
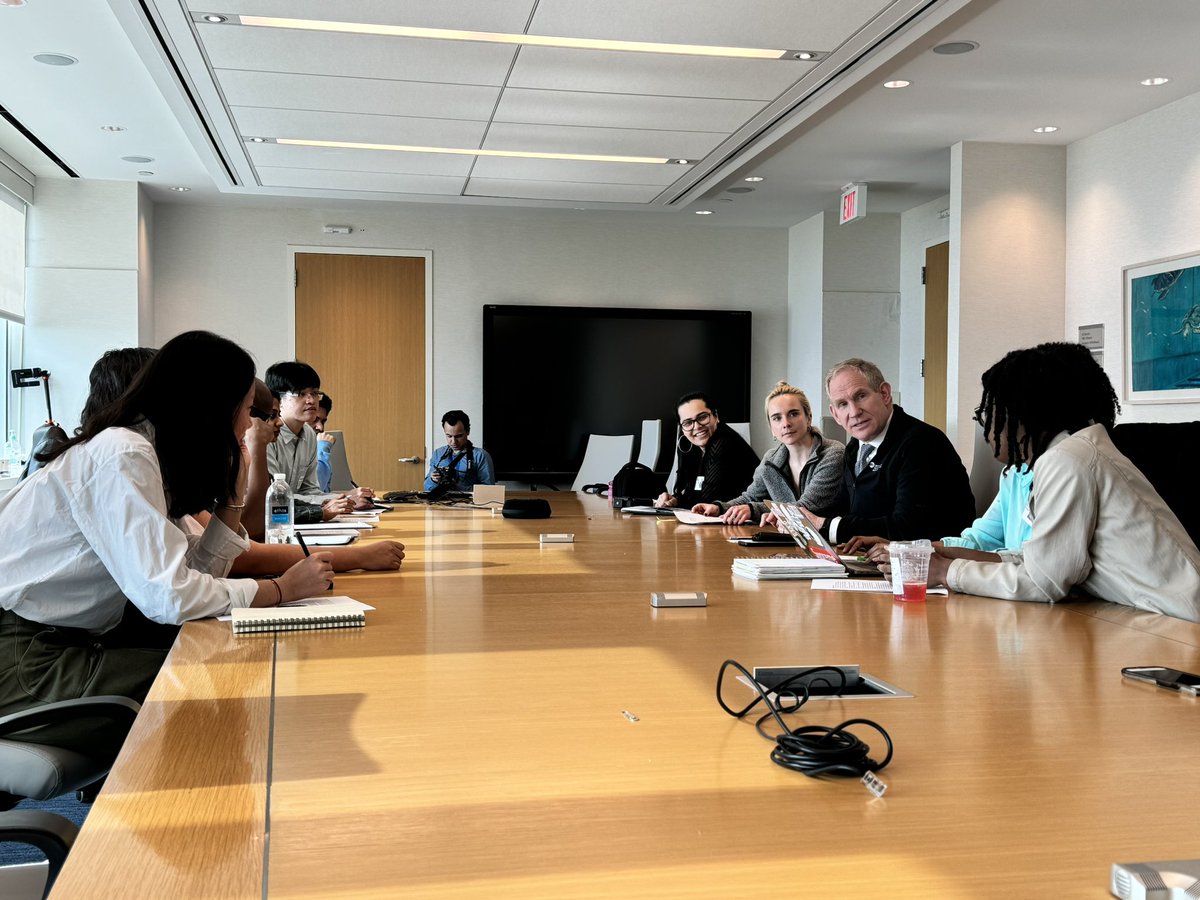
x: 815, y: 559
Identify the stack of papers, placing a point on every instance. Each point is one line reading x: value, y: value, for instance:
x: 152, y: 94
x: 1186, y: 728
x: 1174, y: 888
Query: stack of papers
x: 785, y: 569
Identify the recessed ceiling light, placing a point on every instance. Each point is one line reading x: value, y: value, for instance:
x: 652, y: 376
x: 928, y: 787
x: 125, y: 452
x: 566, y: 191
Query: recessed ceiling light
x: 704, y: 212
x: 1155, y: 81
x: 258, y: 140
x: 953, y: 48
x: 682, y: 162
x: 722, y: 200
x: 741, y: 190
x: 182, y: 190
x: 215, y: 19
x: 806, y: 55
x: 144, y: 172
x: 1045, y: 129
x: 527, y: 40
x: 12, y: 2
x: 138, y: 159
x: 474, y: 151
x: 113, y: 129
x: 898, y: 83
x: 55, y: 59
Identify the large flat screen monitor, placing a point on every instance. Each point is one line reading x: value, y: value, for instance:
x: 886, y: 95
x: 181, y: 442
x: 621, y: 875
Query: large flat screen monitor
x: 552, y: 375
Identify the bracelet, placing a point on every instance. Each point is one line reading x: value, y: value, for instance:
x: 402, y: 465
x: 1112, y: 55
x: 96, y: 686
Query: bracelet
x: 278, y: 591
x: 235, y: 505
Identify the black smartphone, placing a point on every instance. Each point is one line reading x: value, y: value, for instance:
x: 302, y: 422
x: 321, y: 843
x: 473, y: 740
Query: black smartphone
x: 1173, y: 679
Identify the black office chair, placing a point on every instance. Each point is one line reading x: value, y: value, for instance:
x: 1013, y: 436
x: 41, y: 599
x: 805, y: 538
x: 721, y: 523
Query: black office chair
x: 38, y: 771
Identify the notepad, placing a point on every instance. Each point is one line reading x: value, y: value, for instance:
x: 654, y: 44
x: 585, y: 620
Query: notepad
x: 338, y: 612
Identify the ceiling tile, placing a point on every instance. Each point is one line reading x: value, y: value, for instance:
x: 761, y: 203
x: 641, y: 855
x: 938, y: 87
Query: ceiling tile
x: 494, y: 15
x: 360, y: 181
x: 354, y: 55
x: 624, y: 111
x: 291, y: 157
x: 612, y: 141
x: 357, y: 95
x: 326, y: 126
x: 562, y: 190
x: 614, y: 72
x: 572, y: 170
x: 776, y: 24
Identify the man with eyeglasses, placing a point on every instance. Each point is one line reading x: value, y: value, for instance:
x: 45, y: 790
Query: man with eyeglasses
x: 294, y: 452
x: 715, y: 462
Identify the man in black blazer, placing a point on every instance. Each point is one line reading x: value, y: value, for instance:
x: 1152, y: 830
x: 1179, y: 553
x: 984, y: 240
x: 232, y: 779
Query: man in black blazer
x: 901, y: 478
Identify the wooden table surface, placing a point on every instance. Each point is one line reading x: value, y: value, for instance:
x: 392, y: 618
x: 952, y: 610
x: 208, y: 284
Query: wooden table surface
x: 471, y: 741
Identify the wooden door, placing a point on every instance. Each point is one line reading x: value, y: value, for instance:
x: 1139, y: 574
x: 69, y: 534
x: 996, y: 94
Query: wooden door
x: 360, y: 322
x: 937, y: 297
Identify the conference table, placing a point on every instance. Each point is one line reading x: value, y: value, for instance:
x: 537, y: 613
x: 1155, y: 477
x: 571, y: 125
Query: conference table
x: 516, y: 720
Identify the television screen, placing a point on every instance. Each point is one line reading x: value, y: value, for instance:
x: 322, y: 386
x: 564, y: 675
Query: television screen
x: 552, y: 375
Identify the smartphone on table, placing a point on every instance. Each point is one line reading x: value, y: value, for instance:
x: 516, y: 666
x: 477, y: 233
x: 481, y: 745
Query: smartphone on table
x: 1173, y: 679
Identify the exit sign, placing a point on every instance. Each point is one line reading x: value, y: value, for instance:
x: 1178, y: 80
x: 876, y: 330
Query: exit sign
x: 854, y: 203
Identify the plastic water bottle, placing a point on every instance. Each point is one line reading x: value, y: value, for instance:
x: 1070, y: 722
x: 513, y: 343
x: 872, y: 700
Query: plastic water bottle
x: 280, y: 511
x: 11, y: 464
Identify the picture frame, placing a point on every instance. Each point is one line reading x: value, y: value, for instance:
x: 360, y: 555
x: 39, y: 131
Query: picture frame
x: 1162, y: 330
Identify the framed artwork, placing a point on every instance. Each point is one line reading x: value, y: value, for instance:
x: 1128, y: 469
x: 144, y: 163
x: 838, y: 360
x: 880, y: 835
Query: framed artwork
x: 1162, y: 330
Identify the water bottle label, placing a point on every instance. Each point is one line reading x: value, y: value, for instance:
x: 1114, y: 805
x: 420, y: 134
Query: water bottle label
x: 279, y: 515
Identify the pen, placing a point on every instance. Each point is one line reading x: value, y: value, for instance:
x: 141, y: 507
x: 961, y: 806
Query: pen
x: 304, y: 547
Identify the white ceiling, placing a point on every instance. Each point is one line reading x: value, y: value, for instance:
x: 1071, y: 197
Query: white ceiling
x: 190, y: 94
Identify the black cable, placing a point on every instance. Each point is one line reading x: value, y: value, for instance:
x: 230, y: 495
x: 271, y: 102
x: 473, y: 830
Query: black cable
x: 811, y: 749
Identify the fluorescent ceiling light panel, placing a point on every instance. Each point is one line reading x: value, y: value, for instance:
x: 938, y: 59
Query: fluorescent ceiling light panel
x: 462, y: 151
x: 528, y: 40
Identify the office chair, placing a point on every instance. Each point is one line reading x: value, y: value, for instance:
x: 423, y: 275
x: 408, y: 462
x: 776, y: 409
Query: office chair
x: 604, y: 455
x: 339, y: 465
x: 651, y: 441
x: 38, y: 771
x: 985, y: 472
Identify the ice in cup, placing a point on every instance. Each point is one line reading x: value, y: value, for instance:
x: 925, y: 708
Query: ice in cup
x: 910, y: 569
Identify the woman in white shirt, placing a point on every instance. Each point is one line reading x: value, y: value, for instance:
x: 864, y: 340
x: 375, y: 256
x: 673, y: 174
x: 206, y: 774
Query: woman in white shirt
x: 99, y: 525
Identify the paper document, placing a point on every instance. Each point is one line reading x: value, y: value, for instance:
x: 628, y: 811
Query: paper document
x: 688, y: 517
x: 339, y: 601
x: 864, y: 585
x: 334, y: 526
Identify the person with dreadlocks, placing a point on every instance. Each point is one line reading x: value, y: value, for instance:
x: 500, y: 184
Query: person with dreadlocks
x: 1097, y: 524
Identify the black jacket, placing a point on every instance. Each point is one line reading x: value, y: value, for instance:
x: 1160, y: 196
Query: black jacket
x: 727, y: 465
x: 914, y: 487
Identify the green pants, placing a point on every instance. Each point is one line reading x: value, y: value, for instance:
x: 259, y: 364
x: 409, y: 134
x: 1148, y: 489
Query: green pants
x: 46, y: 663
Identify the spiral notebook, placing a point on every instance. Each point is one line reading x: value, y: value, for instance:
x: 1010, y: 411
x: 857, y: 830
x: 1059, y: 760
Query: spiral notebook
x: 317, y: 613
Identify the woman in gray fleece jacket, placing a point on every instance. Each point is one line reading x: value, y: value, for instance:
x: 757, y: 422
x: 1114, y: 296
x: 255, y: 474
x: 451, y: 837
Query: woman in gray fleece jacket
x: 804, y: 468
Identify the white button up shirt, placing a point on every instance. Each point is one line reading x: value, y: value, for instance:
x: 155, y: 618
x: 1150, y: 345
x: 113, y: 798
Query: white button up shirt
x: 90, y: 530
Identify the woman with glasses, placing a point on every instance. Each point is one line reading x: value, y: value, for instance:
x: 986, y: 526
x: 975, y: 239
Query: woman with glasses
x: 100, y: 526
x: 805, y: 468
x: 714, y: 460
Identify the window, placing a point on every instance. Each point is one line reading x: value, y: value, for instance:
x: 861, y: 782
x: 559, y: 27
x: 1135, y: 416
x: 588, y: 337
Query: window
x: 12, y: 310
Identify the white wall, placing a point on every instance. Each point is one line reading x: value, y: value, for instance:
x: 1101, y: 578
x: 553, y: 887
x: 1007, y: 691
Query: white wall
x: 861, y: 296
x: 225, y: 268
x: 1007, y: 264
x: 805, y: 308
x: 81, y: 286
x: 1133, y: 195
x: 920, y: 228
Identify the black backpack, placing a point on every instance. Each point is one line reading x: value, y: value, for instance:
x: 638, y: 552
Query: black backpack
x: 636, y: 485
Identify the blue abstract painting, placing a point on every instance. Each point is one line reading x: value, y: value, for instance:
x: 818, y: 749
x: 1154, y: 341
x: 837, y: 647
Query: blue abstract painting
x: 1164, y: 329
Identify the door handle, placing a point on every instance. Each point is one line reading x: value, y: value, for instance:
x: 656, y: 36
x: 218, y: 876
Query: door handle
x: 409, y: 459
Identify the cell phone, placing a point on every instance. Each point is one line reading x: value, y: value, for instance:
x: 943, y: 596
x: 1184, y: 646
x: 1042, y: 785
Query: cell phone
x: 1173, y: 679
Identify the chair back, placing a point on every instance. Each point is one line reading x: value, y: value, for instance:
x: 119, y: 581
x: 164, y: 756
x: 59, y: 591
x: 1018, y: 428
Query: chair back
x: 1165, y: 453
x: 339, y: 466
x: 605, y: 454
x: 651, y: 442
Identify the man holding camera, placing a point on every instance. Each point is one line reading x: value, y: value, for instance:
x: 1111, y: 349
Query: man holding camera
x: 459, y: 465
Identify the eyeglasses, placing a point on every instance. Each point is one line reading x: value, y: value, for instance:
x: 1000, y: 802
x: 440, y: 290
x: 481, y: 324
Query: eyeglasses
x: 265, y: 415
x: 307, y: 394
x: 689, y: 424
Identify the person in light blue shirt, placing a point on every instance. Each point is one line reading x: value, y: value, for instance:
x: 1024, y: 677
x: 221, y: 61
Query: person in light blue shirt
x: 459, y: 464
x: 325, y: 443
x: 1005, y: 525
